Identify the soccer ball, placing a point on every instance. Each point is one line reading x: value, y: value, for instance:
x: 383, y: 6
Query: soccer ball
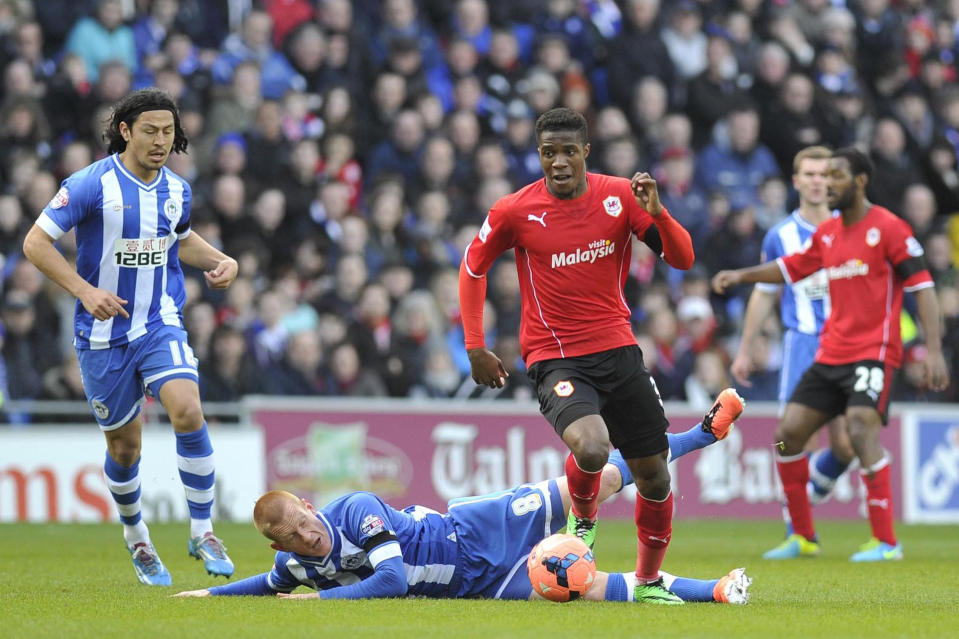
x: 561, y: 567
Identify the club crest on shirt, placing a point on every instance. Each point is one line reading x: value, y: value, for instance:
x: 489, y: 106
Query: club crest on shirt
x: 352, y: 562
x: 100, y: 409
x: 872, y: 236
x: 372, y: 525
x: 172, y: 210
x: 563, y: 388
x: 613, y: 206
x: 60, y: 199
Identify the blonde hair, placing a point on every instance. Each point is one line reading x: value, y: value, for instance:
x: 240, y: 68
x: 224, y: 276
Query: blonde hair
x: 811, y: 153
x: 270, y: 509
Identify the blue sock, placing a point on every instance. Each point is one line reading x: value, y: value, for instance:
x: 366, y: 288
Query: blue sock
x: 616, y: 589
x: 693, y: 590
x: 826, y: 463
x: 195, y: 463
x: 124, y: 485
x: 693, y: 439
x: 616, y: 459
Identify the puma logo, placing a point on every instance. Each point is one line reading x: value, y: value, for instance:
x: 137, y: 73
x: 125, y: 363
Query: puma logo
x: 541, y: 219
x: 664, y: 540
x: 880, y: 503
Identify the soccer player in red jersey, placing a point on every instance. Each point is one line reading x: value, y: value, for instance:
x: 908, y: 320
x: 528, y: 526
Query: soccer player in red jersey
x: 870, y: 257
x: 572, y: 235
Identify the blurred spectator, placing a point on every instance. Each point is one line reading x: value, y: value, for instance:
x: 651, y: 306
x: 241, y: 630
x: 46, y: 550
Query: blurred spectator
x: 894, y: 168
x: 739, y: 166
x: 714, y: 93
x: 638, y: 51
x: 103, y: 37
x: 24, y: 351
x: 300, y: 372
x: 254, y: 44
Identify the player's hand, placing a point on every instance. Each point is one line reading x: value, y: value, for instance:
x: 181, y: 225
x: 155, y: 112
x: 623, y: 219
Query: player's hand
x: 725, y: 279
x: 937, y: 373
x: 103, y: 305
x: 193, y: 593
x: 487, y: 368
x: 742, y: 368
x: 301, y: 595
x: 646, y: 193
x: 223, y: 275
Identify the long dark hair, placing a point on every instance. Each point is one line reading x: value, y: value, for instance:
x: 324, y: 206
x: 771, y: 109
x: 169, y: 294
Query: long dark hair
x: 129, y: 109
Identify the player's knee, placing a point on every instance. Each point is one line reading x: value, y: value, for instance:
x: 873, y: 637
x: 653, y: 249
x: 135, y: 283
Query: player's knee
x: 591, y: 455
x: 655, y: 488
x: 186, y: 417
x: 863, y: 425
x: 125, y: 453
x: 791, y: 443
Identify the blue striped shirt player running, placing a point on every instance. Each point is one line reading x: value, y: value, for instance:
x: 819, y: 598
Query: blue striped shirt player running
x: 804, y: 308
x: 132, y: 221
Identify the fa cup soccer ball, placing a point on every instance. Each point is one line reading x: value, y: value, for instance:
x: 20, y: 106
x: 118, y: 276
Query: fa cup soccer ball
x: 561, y: 567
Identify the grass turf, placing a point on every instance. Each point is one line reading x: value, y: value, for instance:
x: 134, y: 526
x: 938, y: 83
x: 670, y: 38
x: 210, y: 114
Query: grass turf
x: 68, y: 581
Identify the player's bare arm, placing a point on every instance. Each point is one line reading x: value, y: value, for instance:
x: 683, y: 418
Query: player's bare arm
x: 298, y: 595
x: 486, y: 368
x: 192, y: 593
x: 38, y: 247
x: 646, y: 193
x: 936, y: 371
x: 219, y: 269
x: 761, y: 305
x: 768, y: 272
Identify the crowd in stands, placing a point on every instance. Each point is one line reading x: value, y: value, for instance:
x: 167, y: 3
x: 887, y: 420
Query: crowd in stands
x: 345, y: 152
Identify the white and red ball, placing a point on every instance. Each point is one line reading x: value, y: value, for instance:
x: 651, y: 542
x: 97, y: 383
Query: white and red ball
x: 561, y: 567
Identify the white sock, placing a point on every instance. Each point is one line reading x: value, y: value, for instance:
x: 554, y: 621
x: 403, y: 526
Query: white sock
x: 138, y: 533
x: 200, y: 527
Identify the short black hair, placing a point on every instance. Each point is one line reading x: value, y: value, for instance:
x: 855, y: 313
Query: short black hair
x: 129, y: 109
x: 859, y: 162
x: 562, y: 119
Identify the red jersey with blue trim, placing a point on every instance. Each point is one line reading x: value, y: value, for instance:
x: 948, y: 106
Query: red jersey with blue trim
x: 573, y: 258
x: 868, y: 264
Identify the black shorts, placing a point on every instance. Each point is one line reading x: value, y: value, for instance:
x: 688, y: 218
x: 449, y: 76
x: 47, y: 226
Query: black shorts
x: 613, y: 384
x: 832, y: 389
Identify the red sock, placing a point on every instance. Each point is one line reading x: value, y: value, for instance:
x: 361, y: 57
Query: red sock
x: 654, y: 525
x: 795, y: 475
x: 583, y: 488
x: 879, y: 502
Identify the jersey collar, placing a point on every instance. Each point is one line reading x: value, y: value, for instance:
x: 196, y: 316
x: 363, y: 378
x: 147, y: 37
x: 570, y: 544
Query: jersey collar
x: 143, y: 185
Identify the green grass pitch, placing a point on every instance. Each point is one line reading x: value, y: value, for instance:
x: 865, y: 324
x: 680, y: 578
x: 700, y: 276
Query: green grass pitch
x: 76, y: 581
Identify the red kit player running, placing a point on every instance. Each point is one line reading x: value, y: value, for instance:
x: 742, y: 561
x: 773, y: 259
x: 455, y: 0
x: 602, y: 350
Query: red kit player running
x: 870, y: 257
x: 572, y: 234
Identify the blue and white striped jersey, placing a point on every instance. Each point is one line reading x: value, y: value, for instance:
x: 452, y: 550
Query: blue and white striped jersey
x: 127, y: 234
x: 424, y: 539
x: 805, y: 304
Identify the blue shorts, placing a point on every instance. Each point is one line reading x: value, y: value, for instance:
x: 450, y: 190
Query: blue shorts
x: 799, y: 352
x: 496, y: 533
x: 115, y: 379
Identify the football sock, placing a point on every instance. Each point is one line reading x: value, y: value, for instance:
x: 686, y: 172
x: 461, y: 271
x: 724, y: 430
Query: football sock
x: 194, y: 459
x: 654, y: 525
x: 693, y: 439
x: 124, y: 485
x: 616, y: 589
x: 879, y: 500
x: 695, y: 590
x: 583, y: 488
x: 794, y: 473
x: 826, y: 469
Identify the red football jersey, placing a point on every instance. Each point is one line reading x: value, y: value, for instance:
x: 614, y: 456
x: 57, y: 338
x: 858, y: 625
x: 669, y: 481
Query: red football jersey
x: 573, y: 258
x: 868, y: 264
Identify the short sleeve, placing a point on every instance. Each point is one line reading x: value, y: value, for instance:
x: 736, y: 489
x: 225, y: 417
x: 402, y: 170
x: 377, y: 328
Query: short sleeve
x: 69, y: 207
x: 771, y: 250
x: 280, y: 578
x: 367, y: 524
x: 805, y: 262
x: 907, y: 256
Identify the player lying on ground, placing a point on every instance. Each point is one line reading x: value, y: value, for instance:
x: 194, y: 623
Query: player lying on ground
x: 359, y: 547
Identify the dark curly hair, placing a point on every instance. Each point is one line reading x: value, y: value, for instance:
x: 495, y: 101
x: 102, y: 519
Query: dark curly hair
x: 129, y: 109
x: 859, y: 162
x: 562, y: 119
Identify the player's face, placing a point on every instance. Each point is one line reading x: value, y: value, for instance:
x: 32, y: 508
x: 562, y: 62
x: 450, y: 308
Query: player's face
x: 841, y: 185
x: 150, y: 140
x: 562, y: 155
x: 302, y: 532
x: 810, y: 180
